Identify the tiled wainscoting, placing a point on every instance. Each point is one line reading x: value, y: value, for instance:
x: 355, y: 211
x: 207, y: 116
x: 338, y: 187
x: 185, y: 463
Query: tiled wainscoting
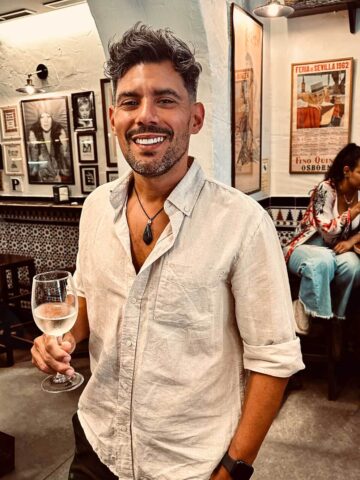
x: 50, y: 233
x: 47, y: 233
x: 286, y: 213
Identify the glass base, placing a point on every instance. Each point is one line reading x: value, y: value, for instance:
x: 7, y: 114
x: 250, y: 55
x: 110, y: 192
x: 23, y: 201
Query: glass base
x: 62, y: 383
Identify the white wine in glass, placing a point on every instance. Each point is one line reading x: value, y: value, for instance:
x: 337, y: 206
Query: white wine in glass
x: 54, y: 305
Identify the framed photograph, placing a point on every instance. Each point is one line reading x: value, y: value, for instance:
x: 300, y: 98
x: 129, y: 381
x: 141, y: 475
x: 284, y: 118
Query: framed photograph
x: 83, y: 109
x: 110, y: 139
x: 110, y: 176
x: 10, y: 126
x: 13, y: 158
x: 86, y: 144
x: 321, y: 99
x: 247, y: 41
x: 47, y: 140
x: 89, y: 178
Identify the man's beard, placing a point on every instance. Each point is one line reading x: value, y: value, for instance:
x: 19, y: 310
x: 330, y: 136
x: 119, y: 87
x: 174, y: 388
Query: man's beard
x: 155, y: 167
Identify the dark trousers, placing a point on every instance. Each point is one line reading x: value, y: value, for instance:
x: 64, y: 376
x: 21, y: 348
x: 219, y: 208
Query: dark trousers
x: 86, y: 464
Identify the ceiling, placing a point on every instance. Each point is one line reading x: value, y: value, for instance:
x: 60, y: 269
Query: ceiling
x: 311, y: 7
x: 34, y: 5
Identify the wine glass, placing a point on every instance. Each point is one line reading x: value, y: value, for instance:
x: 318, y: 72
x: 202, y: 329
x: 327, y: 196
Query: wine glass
x: 54, y: 306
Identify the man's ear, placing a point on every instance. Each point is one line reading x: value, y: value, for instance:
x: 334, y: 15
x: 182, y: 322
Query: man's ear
x: 111, y: 116
x: 197, y: 117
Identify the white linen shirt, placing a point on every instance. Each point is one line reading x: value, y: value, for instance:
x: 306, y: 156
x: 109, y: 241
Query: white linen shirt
x: 169, y: 346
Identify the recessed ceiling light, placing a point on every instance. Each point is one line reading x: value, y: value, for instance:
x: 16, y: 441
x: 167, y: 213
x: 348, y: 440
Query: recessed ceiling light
x: 55, y: 4
x: 23, y: 12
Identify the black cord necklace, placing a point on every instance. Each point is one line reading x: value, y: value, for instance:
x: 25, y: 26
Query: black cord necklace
x: 148, y: 235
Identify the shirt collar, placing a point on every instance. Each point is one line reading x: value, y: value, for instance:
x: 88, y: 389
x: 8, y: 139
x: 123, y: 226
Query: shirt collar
x: 183, y: 197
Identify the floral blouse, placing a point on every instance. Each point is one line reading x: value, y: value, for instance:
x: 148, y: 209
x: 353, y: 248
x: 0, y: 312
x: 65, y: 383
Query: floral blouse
x: 321, y: 217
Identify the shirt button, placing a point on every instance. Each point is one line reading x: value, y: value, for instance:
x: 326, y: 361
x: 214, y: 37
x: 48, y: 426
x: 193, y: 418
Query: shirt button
x: 186, y: 209
x: 123, y: 428
x: 133, y: 300
x: 128, y: 343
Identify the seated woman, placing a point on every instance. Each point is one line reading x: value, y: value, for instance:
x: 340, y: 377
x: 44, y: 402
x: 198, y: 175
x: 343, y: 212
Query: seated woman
x: 321, y: 252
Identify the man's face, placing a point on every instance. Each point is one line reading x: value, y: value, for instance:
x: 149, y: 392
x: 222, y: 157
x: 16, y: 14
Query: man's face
x: 154, y: 117
x: 317, y: 97
x: 45, y: 121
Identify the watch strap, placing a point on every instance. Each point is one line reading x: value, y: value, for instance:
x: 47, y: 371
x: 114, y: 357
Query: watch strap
x: 238, y: 469
x: 227, y: 462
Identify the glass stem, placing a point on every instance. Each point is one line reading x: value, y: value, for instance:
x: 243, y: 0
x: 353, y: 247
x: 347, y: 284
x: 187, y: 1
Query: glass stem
x: 59, y: 377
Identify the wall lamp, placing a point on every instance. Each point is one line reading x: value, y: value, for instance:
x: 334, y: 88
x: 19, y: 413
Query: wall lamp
x: 42, y: 73
x: 272, y: 9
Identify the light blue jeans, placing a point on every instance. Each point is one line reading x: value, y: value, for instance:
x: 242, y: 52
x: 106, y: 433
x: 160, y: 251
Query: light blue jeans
x: 327, y: 279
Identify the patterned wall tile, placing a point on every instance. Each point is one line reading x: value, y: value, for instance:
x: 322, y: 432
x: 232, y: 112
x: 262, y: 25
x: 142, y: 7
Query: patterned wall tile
x: 52, y: 246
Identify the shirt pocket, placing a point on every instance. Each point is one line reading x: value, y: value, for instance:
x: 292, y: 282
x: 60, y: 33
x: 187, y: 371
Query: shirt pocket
x: 185, y: 301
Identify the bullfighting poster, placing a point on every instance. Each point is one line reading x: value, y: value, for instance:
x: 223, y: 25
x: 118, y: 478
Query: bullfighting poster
x: 321, y: 99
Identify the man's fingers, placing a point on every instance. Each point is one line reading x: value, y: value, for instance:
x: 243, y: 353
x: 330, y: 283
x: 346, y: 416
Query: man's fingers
x: 39, y: 362
x: 49, y: 357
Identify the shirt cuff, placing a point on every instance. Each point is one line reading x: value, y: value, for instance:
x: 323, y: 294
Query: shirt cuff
x: 280, y: 360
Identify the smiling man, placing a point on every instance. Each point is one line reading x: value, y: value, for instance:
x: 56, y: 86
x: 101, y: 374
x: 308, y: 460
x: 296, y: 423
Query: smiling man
x: 183, y: 291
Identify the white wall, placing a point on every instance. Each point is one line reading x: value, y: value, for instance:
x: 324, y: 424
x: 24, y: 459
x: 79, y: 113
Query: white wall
x: 67, y: 42
x: 304, y: 39
x: 205, y: 24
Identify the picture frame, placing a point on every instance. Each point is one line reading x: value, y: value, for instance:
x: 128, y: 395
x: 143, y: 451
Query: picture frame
x: 112, y: 175
x: 246, y: 52
x: 86, y: 146
x: 10, y: 125
x: 110, y: 139
x: 13, y: 158
x: 89, y: 177
x: 321, y: 103
x: 83, y: 110
x: 47, y: 141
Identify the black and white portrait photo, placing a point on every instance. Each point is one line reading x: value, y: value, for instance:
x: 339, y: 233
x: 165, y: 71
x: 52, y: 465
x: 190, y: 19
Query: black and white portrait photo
x: 86, y: 143
x: 83, y: 106
x: 47, y: 140
x: 89, y: 178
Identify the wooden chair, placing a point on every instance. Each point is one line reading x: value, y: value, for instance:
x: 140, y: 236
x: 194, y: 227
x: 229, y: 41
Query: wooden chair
x: 16, y: 274
x: 324, y: 343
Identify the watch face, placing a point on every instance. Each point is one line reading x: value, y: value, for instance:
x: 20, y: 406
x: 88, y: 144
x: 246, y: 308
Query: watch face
x: 242, y: 471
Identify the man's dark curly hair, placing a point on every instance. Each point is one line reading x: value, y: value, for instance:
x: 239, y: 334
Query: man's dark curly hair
x: 143, y: 44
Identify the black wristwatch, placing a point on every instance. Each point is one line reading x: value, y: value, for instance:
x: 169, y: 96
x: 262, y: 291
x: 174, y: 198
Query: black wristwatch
x: 238, y: 469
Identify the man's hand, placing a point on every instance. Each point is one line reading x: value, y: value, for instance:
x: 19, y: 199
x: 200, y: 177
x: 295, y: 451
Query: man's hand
x: 50, y: 357
x: 220, y: 473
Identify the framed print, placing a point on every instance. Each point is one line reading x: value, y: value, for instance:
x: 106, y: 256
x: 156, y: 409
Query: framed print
x: 110, y: 139
x: 321, y: 99
x: 110, y: 176
x: 247, y: 40
x: 13, y: 158
x: 86, y: 144
x: 83, y: 109
x: 47, y: 140
x: 89, y: 178
x: 10, y: 126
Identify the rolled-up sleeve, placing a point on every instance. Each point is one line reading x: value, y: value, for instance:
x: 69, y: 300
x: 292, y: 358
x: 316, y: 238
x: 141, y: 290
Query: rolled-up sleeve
x: 263, y: 304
